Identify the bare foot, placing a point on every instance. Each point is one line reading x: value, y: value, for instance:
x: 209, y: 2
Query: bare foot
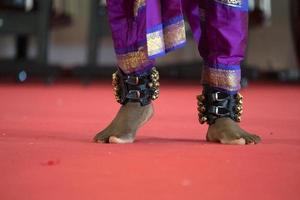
x: 227, y: 131
x: 125, y: 125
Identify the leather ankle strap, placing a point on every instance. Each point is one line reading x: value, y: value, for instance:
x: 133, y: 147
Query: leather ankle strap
x: 142, y: 88
x: 213, y: 104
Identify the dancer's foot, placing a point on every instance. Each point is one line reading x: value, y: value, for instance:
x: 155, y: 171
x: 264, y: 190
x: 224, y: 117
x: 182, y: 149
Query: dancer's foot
x: 227, y: 131
x: 125, y: 125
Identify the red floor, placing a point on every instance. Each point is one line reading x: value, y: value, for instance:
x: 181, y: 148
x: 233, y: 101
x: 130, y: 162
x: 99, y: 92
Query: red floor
x: 46, y: 153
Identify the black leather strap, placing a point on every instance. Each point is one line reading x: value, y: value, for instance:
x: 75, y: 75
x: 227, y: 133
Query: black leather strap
x: 213, y: 104
x: 141, y: 88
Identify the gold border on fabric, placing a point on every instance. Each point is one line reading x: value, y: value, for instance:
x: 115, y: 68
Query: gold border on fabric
x: 174, y: 34
x: 130, y: 61
x: 155, y: 43
x: 137, y: 5
x: 234, y: 3
x: 221, y: 78
x: 168, y: 38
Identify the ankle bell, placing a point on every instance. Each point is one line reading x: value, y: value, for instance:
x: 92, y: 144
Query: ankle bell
x: 142, y: 88
x: 213, y: 104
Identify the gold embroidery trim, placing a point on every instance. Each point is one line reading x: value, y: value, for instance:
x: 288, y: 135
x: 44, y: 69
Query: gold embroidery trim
x: 155, y: 43
x: 137, y: 5
x: 234, y: 3
x: 220, y: 78
x: 169, y: 37
x: 174, y: 34
x: 130, y: 61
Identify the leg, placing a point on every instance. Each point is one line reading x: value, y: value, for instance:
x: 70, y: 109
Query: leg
x: 224, y: 25
x: 128, y: 21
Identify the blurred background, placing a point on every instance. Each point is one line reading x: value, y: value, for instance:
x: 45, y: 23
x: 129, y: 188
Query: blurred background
x: 70, y: 39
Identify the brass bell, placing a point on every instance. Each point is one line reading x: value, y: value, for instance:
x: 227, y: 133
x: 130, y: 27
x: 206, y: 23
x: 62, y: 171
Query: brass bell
x: 199, y: 109
x: 202, y: 109
x: 201, y: 97
x: 154, y: 97
x: 115, y: 79
x: 238, y: 118
x: 239, y: 96
x: 155, y: 73
x: 118, y: 98
x: 203, y: 120
x: 239, y: 108
x: 154, y: 79
x: 155, y: 94
x: 200, y: 103
x: 241, y: 111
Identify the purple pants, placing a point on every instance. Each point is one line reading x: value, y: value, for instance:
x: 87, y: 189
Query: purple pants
x: 146, y: 29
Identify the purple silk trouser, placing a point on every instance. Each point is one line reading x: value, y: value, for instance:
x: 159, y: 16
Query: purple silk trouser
x: 146, y: 29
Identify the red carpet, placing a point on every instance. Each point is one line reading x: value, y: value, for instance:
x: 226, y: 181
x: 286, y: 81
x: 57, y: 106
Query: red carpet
x: 46, y: 153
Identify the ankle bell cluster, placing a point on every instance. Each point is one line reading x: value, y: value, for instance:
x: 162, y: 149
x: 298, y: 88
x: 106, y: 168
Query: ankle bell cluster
x: 213, y: 104
x: 142, y: 88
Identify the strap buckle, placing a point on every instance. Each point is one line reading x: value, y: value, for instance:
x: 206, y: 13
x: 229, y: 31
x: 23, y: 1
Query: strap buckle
x: 132, y: 80
x: 215, y: 96
x: 134, y: 94
x: 217, y: 110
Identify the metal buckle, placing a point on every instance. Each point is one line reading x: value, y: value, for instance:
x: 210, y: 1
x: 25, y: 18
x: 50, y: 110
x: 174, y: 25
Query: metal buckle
x: 217, y: 110
x: 136, y: 80
x: 134, y: 94
x: 132, y: 80
x: 215, y: 96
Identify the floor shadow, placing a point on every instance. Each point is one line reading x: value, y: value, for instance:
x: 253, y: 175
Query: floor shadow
x: 41, y: 136
x: 159, y: 140
x: 84, y: 138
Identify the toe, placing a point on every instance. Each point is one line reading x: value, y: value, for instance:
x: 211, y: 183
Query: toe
x: 257, y: 139
x: 99, y: 141
x: 116, y: 140
x: 251, y: 139
x: 101, y: 138
x: 240, y: 141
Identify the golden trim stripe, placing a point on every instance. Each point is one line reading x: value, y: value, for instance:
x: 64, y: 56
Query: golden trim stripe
x: 174, y: 34
x: 168, y: 38
x: 130, y: 61
x: 155, y: 43
x: 220, y: 78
